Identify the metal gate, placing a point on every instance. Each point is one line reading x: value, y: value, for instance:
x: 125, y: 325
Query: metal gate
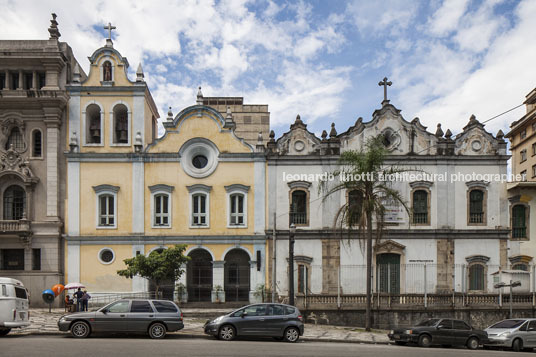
x: 237, y: 276
x: 388, y: 273
x: 199, y: 276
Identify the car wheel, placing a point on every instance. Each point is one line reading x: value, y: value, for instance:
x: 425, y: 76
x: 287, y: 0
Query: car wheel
x: 472, y: 343
x: 292, y: 334
x: 80, y: 329
x: 517, y: 345
x: 227, y: 333
x: 425, y: 341
x: 4, y: 331
x: 157, y: 330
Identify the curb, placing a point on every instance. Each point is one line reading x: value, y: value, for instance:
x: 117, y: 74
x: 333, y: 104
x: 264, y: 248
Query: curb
x: 203, y: 336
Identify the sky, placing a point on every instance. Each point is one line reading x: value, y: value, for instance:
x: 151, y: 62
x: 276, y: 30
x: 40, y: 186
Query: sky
x: 320, y: 59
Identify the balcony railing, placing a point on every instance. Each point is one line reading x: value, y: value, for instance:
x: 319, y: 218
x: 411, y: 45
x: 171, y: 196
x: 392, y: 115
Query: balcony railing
x: 476, y: 217
x: 14, y: 226
x: 298, y: 217
x: 519, y: 232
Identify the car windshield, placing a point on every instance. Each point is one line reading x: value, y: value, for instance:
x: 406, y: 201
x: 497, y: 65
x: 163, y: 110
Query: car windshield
x: 508, y: 324
x: 430, y: 322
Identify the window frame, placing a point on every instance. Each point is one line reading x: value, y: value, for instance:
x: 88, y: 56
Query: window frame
x: 110, y: 191
x: 32, y: 141
x: 480, y: 186
x: 103, y: 249
x: 484, y: 268
x: 526, y: 218
x: 426, y: 191
x: 161, y: 190
x: 24, y: 203
x: 523, y: 155
x: 194, y: 191
x: 235, y: 191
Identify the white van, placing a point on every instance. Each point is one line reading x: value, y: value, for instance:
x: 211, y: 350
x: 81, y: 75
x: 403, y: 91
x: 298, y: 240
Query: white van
x: 14, y: 304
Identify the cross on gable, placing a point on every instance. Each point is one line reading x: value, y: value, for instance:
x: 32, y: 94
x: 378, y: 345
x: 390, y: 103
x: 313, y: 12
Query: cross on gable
x: 109, y: 28
x: 385, y: 83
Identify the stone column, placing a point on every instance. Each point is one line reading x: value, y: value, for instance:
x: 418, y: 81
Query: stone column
x: 52, y: 121
x: 218, y: 279
x: 34, y: 80
x: 21, y: 80
x: 253, y: 282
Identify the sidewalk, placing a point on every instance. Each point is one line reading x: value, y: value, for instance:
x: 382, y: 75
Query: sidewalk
x: 45, y: 323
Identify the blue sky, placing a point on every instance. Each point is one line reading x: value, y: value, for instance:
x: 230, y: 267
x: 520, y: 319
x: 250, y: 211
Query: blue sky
x: 320, y: 59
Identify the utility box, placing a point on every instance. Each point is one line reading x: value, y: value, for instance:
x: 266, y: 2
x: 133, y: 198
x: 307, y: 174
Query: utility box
x: 506, y: 276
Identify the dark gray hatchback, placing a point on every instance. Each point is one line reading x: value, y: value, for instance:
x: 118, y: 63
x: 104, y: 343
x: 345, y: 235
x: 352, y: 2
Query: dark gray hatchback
x: 154, y: 317
x: 283, y: 322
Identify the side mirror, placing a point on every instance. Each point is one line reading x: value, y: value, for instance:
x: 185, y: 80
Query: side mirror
x: 104, y: 311
x: 244, y: 314
x: 440, y: 327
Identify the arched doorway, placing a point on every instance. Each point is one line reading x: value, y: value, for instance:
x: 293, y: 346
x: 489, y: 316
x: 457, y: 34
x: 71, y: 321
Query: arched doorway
x: 388, y: 273
x: 236, y: 276
x: 166, y: 288
x: 199, y: 275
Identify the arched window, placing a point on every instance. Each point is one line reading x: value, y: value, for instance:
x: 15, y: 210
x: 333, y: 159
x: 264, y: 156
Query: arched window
x: 519, y: 227
x: 93, y: 124
x: 298, y: 207
x: 15, y: 139
x: 14, y: 202
x: 120, y: 123
x: 355, y: 207
x: 420, y: 207
x: 476, y: 206
x: 37, y: 143
x: 476, y: 277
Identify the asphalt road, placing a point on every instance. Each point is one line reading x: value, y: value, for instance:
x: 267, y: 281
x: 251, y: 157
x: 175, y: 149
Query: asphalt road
x: 175, y: 345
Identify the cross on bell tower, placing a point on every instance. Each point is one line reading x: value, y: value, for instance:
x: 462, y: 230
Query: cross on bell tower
x: 385, y: 83
x: 109, y: 27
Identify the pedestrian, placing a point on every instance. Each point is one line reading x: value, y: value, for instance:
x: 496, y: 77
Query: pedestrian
x: 85, y: 298
x: 78, y: 295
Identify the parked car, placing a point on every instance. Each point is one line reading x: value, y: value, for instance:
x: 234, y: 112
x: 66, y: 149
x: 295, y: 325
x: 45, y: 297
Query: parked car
x: 14, y: 304
x: 154, y: 317
x: 283, y: 322
x: 517, y: 334
x: 445, y: 332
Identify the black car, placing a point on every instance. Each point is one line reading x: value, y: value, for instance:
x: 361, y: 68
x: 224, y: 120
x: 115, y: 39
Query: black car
x: 446, y: 332
x: 283, y: 322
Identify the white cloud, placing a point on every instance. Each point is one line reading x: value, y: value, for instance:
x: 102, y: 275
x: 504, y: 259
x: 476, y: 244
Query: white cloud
x: 447, y: 17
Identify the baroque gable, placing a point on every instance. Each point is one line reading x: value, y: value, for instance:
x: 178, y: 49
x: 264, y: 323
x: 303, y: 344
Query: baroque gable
x: 298, y: 141
x: 475, y: 140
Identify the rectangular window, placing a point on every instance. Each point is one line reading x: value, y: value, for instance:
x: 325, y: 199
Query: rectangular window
x: 237, y: 210
x: 161, y: 210
x: 14, y: 81
x: 27, y: 79
x: 298, y: 207
x: 36, y: 259
x: 476, y: 206
x: 2, y: 81
x: 106, y: 211
x: 303, y: 272
x: 533, y: 149
x: 523, y: 154
x: 37, y: 144
x: 420, y: 207
x: 523, y: 134
x: 199, y: 210
x: 12, y: 259
x: 524, y: 175
x: 533, y: 170
x: 41, y: 80
x: 534, y: 127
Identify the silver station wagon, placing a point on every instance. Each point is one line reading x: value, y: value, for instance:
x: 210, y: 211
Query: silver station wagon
x: 154, y: 317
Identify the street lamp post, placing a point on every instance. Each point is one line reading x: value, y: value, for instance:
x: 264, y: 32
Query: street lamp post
x: 512, y: 284
x: 292, y: 231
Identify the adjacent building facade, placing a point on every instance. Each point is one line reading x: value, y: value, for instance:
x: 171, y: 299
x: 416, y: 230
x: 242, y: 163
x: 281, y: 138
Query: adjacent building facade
x: 33, y: 116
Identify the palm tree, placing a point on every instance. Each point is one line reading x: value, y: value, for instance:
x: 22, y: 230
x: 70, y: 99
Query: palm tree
x: 361, y: 176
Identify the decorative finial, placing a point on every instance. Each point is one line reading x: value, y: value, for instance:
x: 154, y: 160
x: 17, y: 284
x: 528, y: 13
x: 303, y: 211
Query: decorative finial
x: 272, y: 136
x: 169, y: 115
x: 439, y: 131
x: 53, y: 29
x: 229, y: 123
x: 199, y: 96
x: 138, y: 142
x: 109, y: 27
x: 333, y: 132
x: 448, y: 134
x: 76, y: 73
x: 73, y: 143
x: 259, y: 138
x: 139, y: 74
x: 472, y: 119
x: 324, y: 135
x: 385, y: 83
x: 500, y: 135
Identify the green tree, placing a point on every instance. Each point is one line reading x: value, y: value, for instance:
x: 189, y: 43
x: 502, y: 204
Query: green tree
x: 364, y: 172
x: 159, y: 266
